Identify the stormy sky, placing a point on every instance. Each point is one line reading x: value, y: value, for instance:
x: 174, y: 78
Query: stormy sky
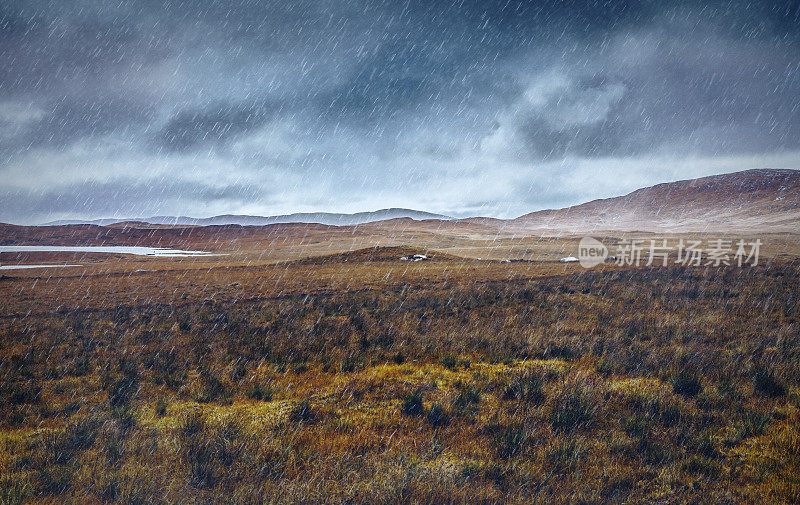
x: 138, y: 108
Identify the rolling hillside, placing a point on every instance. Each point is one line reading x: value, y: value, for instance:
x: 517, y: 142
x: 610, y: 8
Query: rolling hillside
x: 753, y: 199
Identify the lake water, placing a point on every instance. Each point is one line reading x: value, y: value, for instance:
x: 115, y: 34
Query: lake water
x: 20, y: 267
x: 110, y: 249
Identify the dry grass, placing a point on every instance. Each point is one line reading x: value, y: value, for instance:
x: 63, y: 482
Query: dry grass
x: 435, y: 383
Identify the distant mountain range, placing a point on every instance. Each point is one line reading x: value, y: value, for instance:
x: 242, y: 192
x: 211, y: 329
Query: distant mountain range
x: 767, y: 199
x: 244, y: 220
x: 761, y: 198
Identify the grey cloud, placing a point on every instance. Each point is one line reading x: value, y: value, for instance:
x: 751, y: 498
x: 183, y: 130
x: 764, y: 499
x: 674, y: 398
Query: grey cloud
x: 692, y: 93
x: 396, y: 96
x: 581, y: 118
x: 125, y: 197
x: 44, y: 54
x: 75, y: 118
x: 216, y: 124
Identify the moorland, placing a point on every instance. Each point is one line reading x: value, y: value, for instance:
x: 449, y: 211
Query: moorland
x: 309, y: 364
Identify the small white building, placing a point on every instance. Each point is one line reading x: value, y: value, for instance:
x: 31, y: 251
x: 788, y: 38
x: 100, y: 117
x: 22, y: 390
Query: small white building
x: 414, y: 257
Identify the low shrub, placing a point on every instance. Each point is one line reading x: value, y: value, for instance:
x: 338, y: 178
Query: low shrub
x: 161, y: 406
x: 754, y: 424
x: 20, y: 393
x: 122, y: 391
x: 706, y: 446
x: 351, y: 363
x: 80, y: 367
x: 437, y: 416
x: 606, y: 367
x: 468, y: 396
x: 210, y: 451
x: 412, y: 404
x: 126, y: 419
x: 653, y: 452
x: 563, y: 454
x: 260, y: 393
x: 509, y: 441
x: 55, y: 451
x: 210, y: 388
x: 571, y: 409
x: 80, y: 435
x: 687, y: 383
x: 765, y: 383
x: 54, y: 479
x: 193, y: 423
x: 303, y: 413
x: 750, y: 425
x: 449, y: 361
x: 527, y: 388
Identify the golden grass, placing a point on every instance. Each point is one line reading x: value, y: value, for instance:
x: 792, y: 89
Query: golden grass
x: 434, y: 384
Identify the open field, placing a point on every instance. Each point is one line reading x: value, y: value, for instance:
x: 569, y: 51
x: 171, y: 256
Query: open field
x: 355, y: 377
x: 360, y: 252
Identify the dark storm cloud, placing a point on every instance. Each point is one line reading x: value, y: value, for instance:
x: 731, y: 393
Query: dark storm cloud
x: 618, y: 110
x: 74, y: 118
x: 387, y: 103
x: 127, y: 197
x: 192, y: 128
x: 49, y: 49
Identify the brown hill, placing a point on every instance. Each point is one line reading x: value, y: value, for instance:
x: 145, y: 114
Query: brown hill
x: 753, y: 199
x: 743, y: 202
